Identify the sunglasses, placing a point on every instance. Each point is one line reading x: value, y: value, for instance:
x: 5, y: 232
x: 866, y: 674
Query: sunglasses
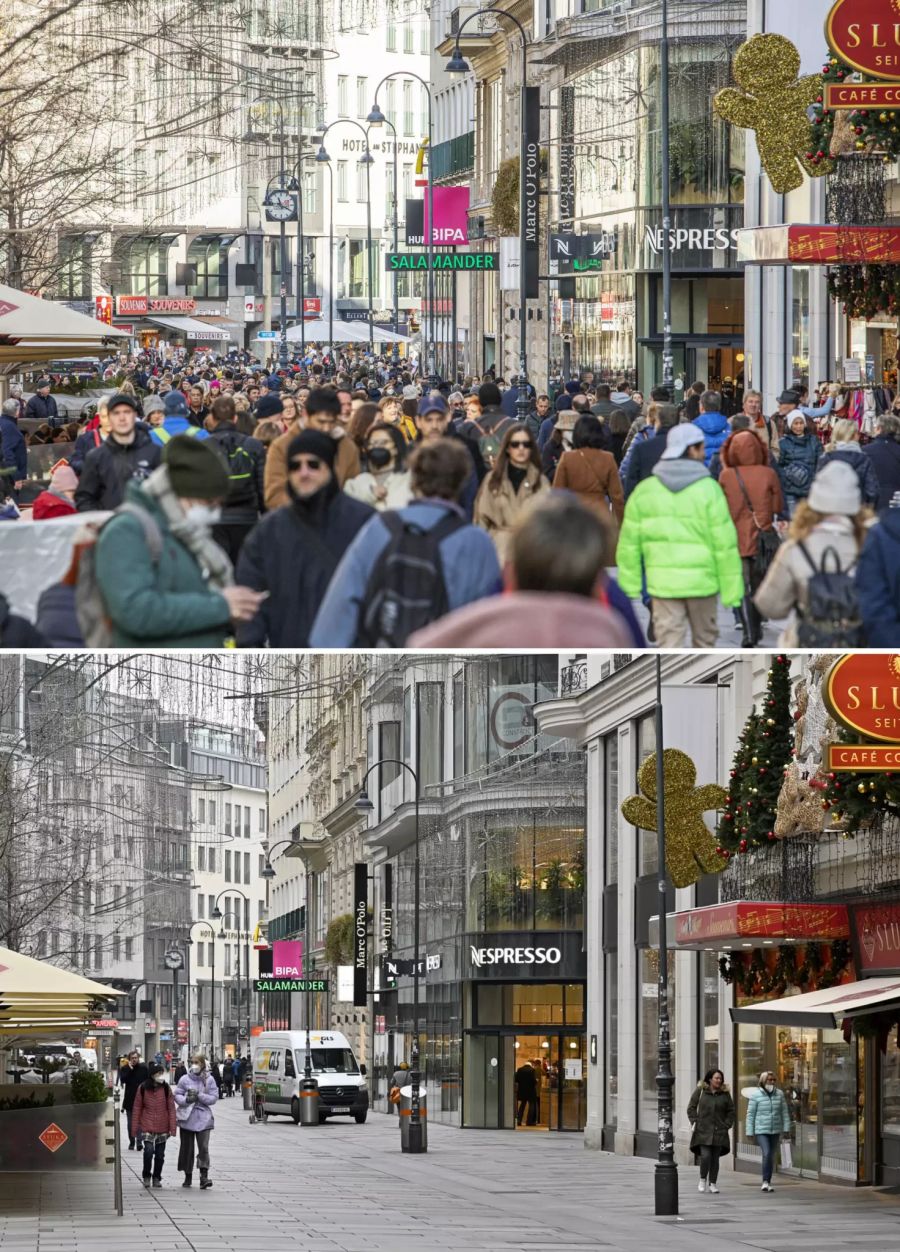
x: 310, y: 462
x: 521, y: 443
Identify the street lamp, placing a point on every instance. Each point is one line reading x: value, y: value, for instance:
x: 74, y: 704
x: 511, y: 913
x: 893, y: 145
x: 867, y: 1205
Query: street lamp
x: 668, y: 364
x: 297, y: 180
x: 281, y: 209
x: 367, y: 160
x: 459, y: 65
x: 666, y: 1174
x: 217, y: 915
x: 377, y: 118
x: 364, y: 805
x: 269, y: 872
x: 190, y: 943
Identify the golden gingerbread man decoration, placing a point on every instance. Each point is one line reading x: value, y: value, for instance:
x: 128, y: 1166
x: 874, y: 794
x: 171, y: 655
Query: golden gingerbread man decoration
x: 773, y: 103
x: 690, y: 848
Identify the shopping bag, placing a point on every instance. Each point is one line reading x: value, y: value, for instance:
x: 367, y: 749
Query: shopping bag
x: 787, y: 1160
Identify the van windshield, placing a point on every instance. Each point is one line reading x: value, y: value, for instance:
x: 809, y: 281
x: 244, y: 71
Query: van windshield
x: 328, y: 1060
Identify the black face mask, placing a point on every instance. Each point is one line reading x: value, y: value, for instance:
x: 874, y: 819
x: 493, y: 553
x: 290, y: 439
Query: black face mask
x: 379, y: 458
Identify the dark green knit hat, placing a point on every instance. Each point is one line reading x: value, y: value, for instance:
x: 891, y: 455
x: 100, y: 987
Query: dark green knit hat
x: 196, y: 471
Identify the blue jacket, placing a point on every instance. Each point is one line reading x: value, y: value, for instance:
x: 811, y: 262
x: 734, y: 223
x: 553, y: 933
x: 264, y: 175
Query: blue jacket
x: 471, y: 571
x: 546, y: 430
x: 884, y: 454
x: 767, y: 1114
x: 56, y: 617
x: 173, y: 426
x: 715, y: 431
x: 862, y: 467
x: 805, y: 450
x: 878, y: 582
x: 13, y: 452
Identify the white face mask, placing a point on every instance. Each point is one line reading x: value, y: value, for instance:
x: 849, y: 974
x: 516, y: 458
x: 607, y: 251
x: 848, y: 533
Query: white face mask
x: 202, y: 514
x: 196, y: 1069
x: 159, y: 1078
x: 770, y: 1086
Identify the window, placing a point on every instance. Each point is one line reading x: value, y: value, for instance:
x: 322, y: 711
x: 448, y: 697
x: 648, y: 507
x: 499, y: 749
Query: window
x: 429, y: 733
x: 211, y: 861
x: 262, y: 821
x: 611, y: 1040
x: 227, y: 947
x: 646, y: 742
x: 342, y: 181
x: 129, y: 949
x: 262, y: 864
x: 389, y: 190
x: 211, y: 904
x: 408, y: 38
x: 611, y: 799
x: 201, y: 857
x: 391, y: 98
x: 211, y: 810
x: 407, y: 754
x: 407, y: 108
x: 201, y: 811
x: 228, y: 866
x: 343, y: 96
x: 289, y: 1071
x: 391, y: 44
x: 227, y: 819
x: 210, y: 255
x: 709, y: 989
x: 362, y: 98
x: 98, y: 952
x: 309, y: 191
x: 362, y: 183
x: 116, y: 947
x: 200, y: 913
x: 247, y: 866
x: 406, y: 180
x: 648, y: 983
x: 144, y: 266
x: 74, y: 279
x: 246, y: 821
x: 247, y: 915
x: 426, y: 42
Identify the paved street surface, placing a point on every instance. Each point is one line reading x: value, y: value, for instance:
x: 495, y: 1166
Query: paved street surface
x: 729, y: 631
x: 347, y: 1188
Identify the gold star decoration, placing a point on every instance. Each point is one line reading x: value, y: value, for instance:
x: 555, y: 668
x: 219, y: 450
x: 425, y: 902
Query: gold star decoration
x: 690, y: 848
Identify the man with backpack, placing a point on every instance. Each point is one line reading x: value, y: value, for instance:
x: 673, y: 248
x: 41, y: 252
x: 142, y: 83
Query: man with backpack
x: 246, y: 460
x: 128, y: 453
x: 484, y: 433
x: 408, y: 568
x: 293, y: 552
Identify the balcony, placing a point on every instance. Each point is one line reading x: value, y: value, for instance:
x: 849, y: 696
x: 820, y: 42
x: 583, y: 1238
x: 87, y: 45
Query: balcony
x: 573, y: 678
x: 454, y: 156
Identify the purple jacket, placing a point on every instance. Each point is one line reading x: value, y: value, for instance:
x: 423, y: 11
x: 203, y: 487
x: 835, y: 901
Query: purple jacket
x: 204, y: 1084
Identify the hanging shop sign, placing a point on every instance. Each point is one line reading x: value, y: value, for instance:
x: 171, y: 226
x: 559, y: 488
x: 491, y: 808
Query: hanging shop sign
x: 565, y: 248
x: 540, y: 956
x: 717, y: 926
x: 819, y: 245
x: 451, y: 216
x: 464, y: 261
x: 132, y: 306
x: 566, y: 159
x: 866, y: 34
x: 360, y: 932
x: 862, y: 691
x: 694, y: 238
x: 862, y: 96
x: 532, y: 181
x: 510, y: 717
x: 387, y: 910
x: 876, y: 934
x: 270, y: 985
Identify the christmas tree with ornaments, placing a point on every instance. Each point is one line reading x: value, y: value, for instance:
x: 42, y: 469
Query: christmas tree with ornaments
x: 764, y: 753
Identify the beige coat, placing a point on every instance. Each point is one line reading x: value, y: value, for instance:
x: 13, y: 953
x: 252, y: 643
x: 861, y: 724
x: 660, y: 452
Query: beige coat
x: 346, y: 465
x: 498, y: 511
x: 785, y: 585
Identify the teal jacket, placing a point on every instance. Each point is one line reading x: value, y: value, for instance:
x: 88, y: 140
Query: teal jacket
x: 164, y: 604
x: 767, y: 1114
x: 678, y: 529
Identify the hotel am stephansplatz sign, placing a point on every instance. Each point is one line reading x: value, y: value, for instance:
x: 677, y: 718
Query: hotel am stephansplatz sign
x: 862, y: 691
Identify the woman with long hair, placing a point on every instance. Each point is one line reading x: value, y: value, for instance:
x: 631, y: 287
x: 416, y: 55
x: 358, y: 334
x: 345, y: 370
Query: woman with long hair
x: 826, y: 535
x: 711, y: 1114
x: 290, y: 410
x: 508, y: 490
x: 385, y: 484
x: 154, y: 1117
x: 590, y: 471
x: 618, y: 424
x: 363, y: 418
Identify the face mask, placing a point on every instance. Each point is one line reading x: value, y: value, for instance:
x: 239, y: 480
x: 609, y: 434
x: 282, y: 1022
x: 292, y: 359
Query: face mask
x: 159, y: 1078
x: 379, y: 457
x: 202, y: 515
x: 337, y: 432
x: 196, y: 1069
x: 770, y: 1086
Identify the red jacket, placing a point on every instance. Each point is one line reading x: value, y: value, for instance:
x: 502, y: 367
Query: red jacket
x: 48, y: 504
x: 154, y: 1111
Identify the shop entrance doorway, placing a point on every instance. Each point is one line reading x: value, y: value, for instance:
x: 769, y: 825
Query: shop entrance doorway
x: 527, y: 1082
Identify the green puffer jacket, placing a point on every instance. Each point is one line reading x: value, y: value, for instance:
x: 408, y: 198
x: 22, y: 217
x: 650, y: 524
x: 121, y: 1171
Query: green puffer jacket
x: 711, y: 1114
x: 767, y: 1114
x: 678, y: 525
x: 162, y: 605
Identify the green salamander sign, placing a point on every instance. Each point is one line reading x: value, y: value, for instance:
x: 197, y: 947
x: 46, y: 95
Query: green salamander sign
x: 442, y: 261
x: 290, y: 984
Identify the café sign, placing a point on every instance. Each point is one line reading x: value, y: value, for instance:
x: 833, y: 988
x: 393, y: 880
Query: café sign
x: 866, y: 35
x: 862, y: 691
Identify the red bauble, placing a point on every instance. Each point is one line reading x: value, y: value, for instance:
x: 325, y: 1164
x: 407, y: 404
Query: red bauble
x: 743, y: 845
x: 771, y: 834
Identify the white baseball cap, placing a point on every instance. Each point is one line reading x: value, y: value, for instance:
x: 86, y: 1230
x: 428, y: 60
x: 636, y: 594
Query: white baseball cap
x: 685, y: 435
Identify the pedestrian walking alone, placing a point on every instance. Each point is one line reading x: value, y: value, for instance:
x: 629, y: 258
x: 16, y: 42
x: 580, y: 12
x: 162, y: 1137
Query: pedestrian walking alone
x: 195, y: 1096
x: 154, y: 1117
x: 711, y: 1114
x: 135, y: 1073
x: 768, y: 1118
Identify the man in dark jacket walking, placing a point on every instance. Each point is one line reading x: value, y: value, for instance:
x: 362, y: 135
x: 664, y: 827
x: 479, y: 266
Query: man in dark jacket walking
x: 131, y: 1077
x: 884, y: 453
x: 246, y: 459
x: 645, y: 456
x: 484, y: 434
x: 878, y: 582
x: 294, y: 551
x: 42, y: 406
x: 13, y: 453
x: 128, y: 453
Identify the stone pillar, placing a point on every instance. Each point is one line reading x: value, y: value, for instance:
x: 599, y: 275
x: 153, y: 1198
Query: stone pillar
x: 626, y: 1130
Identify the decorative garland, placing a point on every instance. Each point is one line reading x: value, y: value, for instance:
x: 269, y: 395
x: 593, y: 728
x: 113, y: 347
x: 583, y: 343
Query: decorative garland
x: 821, y: 966
x: 872, y: 130
x: 866, y: 290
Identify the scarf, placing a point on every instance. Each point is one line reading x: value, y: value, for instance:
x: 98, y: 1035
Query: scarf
x: 198, y: 540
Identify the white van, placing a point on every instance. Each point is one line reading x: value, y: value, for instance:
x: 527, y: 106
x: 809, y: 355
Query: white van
x: 279, y: 1063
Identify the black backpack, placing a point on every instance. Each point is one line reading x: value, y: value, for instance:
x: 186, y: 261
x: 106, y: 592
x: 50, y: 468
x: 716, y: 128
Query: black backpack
x: 406, y: 589
x: 241, y: 468
x: 832, y: 618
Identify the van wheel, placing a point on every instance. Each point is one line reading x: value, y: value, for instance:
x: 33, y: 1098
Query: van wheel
x: 323, y: 1118
x: 359, y: 1118
x: 295, y: 1111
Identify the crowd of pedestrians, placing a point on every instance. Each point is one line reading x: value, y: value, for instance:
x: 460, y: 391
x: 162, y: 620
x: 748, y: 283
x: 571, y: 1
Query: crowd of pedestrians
x: 350, y: 502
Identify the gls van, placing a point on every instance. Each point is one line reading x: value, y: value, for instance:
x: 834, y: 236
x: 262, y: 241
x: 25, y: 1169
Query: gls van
x: 279, y: 1063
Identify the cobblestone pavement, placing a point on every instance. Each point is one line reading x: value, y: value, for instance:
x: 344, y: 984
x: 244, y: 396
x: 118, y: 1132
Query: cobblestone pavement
x: 348, y: 1188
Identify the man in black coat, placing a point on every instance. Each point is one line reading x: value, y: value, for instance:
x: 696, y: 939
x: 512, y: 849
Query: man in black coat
x: 128, y: 452
x: 130, y: 1078
x: 42, y: 406
x: 293, y: 552
x: 246, y: 459
x: 526, y: 1093
x: 646, y: 454
x: 884, y: 453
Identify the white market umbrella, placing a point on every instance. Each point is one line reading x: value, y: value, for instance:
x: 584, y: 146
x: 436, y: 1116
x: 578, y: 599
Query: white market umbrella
x: 35, y: 995
x: 34, y: 330
x: 317, y: 331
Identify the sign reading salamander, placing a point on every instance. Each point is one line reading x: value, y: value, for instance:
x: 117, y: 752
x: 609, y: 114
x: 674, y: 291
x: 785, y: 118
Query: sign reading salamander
x: 442, y: 261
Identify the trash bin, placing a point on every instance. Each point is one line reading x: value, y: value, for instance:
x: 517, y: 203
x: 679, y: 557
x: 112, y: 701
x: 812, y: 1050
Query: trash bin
x: 247, y: 1086
x: 309, y: 1102
x: 405, y: 1111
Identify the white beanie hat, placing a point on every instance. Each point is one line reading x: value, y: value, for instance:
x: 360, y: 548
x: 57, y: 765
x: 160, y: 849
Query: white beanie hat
x: 835, y: 489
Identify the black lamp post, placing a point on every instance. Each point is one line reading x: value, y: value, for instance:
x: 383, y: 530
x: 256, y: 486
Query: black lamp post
x: 666, y: 1174
x: 368, y: 161
x: 365, y: 805
x: 190, y: 941
x: 268, y: 872
x: 668, y: 363
x: 278, y: 208
x: 377, y: 118
x: 218, y: 915
x: 459, y: 65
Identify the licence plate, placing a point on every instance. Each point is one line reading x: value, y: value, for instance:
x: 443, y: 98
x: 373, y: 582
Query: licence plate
x: 339, y: 1108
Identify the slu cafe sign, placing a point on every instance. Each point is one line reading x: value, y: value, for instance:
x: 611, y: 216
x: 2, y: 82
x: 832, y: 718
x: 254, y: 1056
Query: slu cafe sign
x: 866, y: 35
x: 862, y: 691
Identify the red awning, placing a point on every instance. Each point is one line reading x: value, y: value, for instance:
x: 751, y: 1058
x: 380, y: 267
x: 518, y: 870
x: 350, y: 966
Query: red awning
x: 751, y: 924
x: 818, y: 245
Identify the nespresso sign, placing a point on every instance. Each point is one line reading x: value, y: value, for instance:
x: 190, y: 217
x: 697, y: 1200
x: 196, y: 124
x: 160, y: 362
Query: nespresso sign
x: 522, y: 955
x: 515, y: 956
x: 862, y: 691
x: 866, y: 35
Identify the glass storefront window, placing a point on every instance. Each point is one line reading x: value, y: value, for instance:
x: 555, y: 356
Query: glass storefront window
x: 703, y: 306
x: 459, y: 724
x: 709, y: 988
x: 890, y: 1087
x: 531, y: 877
x: 648, y: 1019
x: 611, y: 1040
x: 646, y: 742
x: 611, y: 797
x: 529, y: 1004
x: 800, y: 323
x: 429, y: 733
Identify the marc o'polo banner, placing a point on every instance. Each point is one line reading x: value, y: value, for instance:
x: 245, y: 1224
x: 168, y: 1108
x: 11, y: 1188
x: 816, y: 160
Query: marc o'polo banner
x: 360, y: 933
x: 532, y: 175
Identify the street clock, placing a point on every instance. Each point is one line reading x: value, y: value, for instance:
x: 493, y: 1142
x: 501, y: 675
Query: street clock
x: 280, y: 206
x: 173, y: 959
